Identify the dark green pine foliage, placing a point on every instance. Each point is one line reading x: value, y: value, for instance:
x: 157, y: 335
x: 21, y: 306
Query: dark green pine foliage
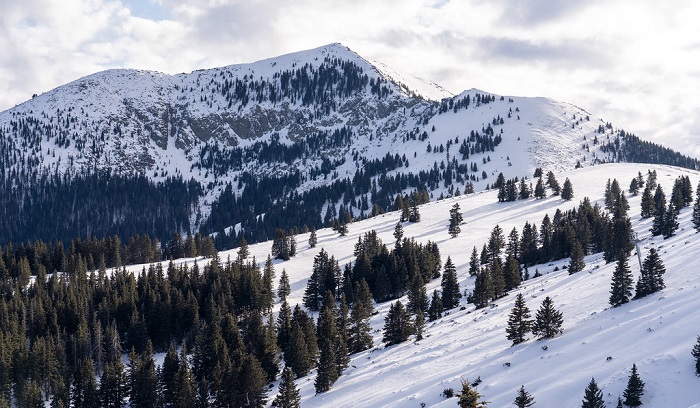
x: 84, y: 390
x: 301, y: 353
x: 657, y: 227
x: 670, y: 220
x: 470, y: 397
x: 696, y: 353
x: 450, y: 286
x: 341, y: 345
x: 143, y: 381
x: 313, y: 240
x: 483, y: 289
x: 360, y: 332
x: 168, y: 373
x: 327, y: 335
x: 540, y: 192
x: 648, y: 208
x: 593, y: 396
x: 435, y: 309
x: 474, y: 262
x: 114, y: 387
x: 417, y: 296
x: 455, y: 220
x: 512, y: 273
x: 252, y: 384
x: 621, y: 285
x: 283, y: 288
x: 524, y: 399
x: 288, y: 395
x: 397, y: 324
x: 635, y: 389
x: 651, y: 277
x: 576, y: 264
x: 284, y: 325
x: 696, y: 209
x: 548, y: 320
x: 519, y: 322
x: 567, y: 192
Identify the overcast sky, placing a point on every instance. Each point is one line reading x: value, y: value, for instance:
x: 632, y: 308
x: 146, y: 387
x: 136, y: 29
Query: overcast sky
x: 634, y: 63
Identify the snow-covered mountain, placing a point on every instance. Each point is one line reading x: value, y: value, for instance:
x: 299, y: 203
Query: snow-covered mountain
x: 324, y: 119
x: 657, y: 333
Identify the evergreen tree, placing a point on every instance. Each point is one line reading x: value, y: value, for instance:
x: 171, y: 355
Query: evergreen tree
x: 470, y: 397
x: 651, y: 276
x: 327, y: 335
x: 593, y: 396
x: 450, y: 286
x: 524, y: 399
x: 553, y: 183
x: 243, y: 250
x: 548, y: 320
x: 483, y: 289
x: 360, y: 332
x: 296, y: 355
x: 414, y: 215
x: 648, y: 208
x: 168, y: 373
x: 696, y: 353
x: 288, y: 395
x: 635, y: 389
x: 567, y: 193
x: 313, y: 240
x: 397, y: 324
x: 251, y: 390
x: 696, y: 210
x: 474, y: 262
x: 398, y: 233
x: 512, y: 273
x: 455, y: 220
x: 84, y: 391
x: 417, y: 296
x: 519, y: 323
x: 540, y: 192
x: 657, y: 227
x: 670, y: 221
x: 435, y: 310
x: 283, y: 288
x: 576, y: 264
x: 114, y: 388
x: 284, y: 325
x: 621, y: 286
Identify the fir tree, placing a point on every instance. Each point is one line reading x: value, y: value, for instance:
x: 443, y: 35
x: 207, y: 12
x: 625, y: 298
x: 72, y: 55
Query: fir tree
x: 696, y: 210
x: 567, y: 193
x: 435, y: 310
x: 450, y: 286
x: 327, y: 335
x: 593, y: 396
x: 251, y: 390
x: 651, y: 276
x: 621, y: 285
x: 288, y: 395
x: 474, y: 262
x: 648, y: 208
x: 470, y: 397
x: 398, y: 233
x: 540, y: 192
x: 670, y: 221
x: 114, y: 388
x: 524, y: 399
x: 397, y: 324
x: 548, y: 320
x: 576, y: 264
x: 635, y: 389
x: 84, y: 391
x: 313, y: 240
x: 243, y: 250
x: 414, y: 215
x: 519, y: 323
x: 359, y: 335
x: 455, y: 220
x: 283, y: 288
x: 417, y: 296
x: 696, y: 353
x: 284, y: 325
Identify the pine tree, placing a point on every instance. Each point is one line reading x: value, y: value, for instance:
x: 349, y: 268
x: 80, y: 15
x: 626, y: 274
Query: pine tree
x: 288, y: 395
x: 398, y: 233
x: 635, y: 389
x: 540, y: 192
x: 455, y: 220
x: 283, y: 288
x: 114, y: 388
x: 696, y: 353
x: 435, y: 309
x: 621, y: 285
x: 567, y: 193
x: 469, y: 397
x: 519, y: 323
x: 450, y: 286
x: 414, y: 215
x: 84, y: 391
x: 576, y: 264
x: 313, y: 240
x: 670, y: 221
x: 417, y: 296
x: 696, y: 209
x: 657, y: 227
x: 651, y: 276
x: 548, y: 320
x: 284, y: 325
x: 251, y: 390
x: 593, y: 396
x: 648, y: 208
x: 474, y: 262
x: 243, y: 250
x: 483, y: 289
x: 524, y: 399
x: 397, y: 324
x: 359, y: 335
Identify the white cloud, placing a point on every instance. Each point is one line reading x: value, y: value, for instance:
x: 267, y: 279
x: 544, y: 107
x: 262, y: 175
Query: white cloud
x: 630, y: 62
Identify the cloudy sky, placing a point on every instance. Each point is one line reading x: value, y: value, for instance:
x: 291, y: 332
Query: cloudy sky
x: 635, y: 63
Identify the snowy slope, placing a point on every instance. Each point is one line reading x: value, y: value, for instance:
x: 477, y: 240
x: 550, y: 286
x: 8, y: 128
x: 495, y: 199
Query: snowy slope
x: 656, y: 332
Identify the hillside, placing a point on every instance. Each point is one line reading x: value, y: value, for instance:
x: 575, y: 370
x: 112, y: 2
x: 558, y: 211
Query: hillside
x: 656, y: 332
x: 294, y: 140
